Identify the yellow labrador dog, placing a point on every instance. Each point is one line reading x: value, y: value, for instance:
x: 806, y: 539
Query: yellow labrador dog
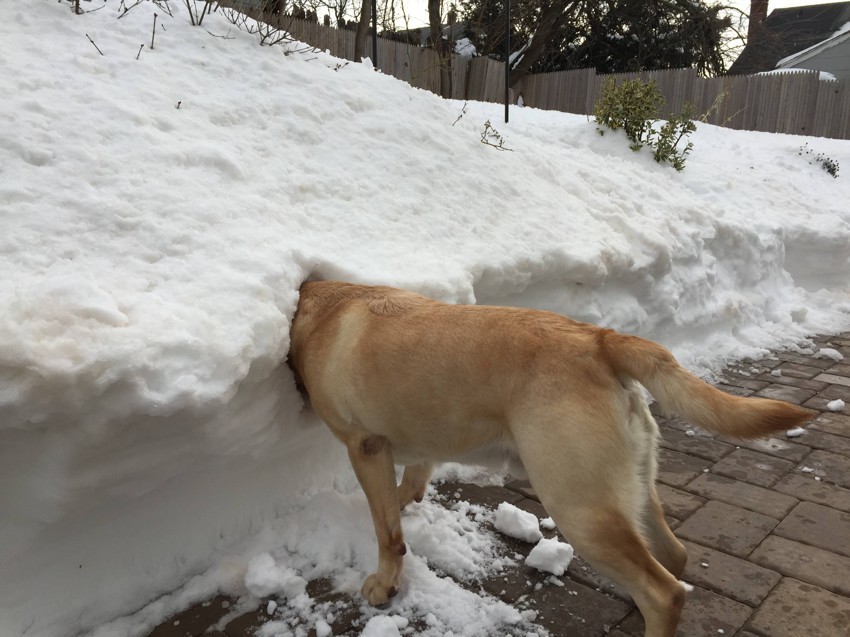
x: 403, y: 379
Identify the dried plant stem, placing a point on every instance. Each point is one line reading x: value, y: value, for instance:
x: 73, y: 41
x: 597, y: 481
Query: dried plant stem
x: 95, y: 46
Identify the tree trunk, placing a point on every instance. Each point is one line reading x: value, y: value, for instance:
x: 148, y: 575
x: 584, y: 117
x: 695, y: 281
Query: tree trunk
x: 552, y: 16
x: 362, y: 31
x: 441, y: 47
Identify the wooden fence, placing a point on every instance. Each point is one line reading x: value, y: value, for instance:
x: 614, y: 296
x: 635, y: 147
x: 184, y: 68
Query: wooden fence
x: 797, y: 103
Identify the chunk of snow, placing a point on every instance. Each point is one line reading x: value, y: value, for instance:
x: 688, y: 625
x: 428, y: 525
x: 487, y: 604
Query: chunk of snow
x: 551, y: 556
x: 795, y: 432
x: 547, y: 524
x: 776, y: 372
x: 828, y: 352
x: 323, y: 629
x: 516, y: 523
x: 381, y: 626
x: 835, y: 405
x: 265, y: 577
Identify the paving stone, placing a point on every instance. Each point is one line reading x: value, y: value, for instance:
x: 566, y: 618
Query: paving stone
x: 833, y: 379
x: 797, y: 609
x: 796, y: 395
x: 726, y: 528
x: 524, y: 488
x: 514, y: 583
x: 582, y: 572
x: 820, y: 403
x: 677, y: 503
x: 807, y: 361
x: 347, y: 611
x: 488, y: 496
x: 826, y: 441
x: 247, y: 624
x: 682, y: 425
x: 833, y: 392
x: 743, y: 494
x: 753, y: 467
x: 195, y: 620
x: 797, y: 370
x: 745, y: 382
x: 705, y: 613
x: 779, y: 447
x: 576, y: 610
x: 729, y: 576
x: 833, y: 423
x: 817, y: 525
x: 805, y: 487
x: 735, y: 391
x: 805, y: 563
x: 794, y: 381
x: 700, y: 446
x: 831, y: 467
x: 768, y: 363
x: 677, y: 469
x: 842, y: 369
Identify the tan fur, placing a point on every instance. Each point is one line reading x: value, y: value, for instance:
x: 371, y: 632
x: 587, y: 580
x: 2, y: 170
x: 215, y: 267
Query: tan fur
x: 400, y: 378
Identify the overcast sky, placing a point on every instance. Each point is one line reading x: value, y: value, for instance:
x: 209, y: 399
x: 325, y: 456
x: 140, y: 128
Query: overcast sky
x: 418, y: 9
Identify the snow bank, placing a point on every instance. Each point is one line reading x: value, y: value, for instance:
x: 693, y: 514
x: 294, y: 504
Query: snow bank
x: 158, y: 214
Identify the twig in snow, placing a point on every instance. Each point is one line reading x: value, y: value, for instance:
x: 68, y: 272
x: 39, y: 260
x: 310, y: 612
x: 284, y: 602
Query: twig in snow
x: 153, y: 32
x: 178, y: 105
x: 462, y: 113
x: 226, y: 36
x: 95, y: 46
x: 126, y: 8
x: 141, y: 46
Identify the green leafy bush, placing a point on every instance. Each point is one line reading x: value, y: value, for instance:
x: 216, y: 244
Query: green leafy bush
x: 634, y: 107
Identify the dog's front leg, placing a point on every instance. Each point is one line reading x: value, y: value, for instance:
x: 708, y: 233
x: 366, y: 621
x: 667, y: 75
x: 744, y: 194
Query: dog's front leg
x: 371, y: 457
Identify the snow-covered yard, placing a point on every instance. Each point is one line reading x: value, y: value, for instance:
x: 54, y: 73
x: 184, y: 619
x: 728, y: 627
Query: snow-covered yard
x: 159, y: 210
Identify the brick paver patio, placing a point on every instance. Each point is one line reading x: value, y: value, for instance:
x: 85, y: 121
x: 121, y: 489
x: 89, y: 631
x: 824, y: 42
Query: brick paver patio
x: 766, y: 524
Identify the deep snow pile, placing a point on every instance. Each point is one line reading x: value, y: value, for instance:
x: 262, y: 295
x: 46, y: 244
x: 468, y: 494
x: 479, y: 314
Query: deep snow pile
x: 158, y: 215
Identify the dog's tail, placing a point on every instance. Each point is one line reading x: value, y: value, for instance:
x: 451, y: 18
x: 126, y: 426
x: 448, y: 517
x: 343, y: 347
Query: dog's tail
x: 680, y: 392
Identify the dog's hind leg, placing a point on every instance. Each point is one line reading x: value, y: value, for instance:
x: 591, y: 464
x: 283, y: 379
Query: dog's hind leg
x: 583, y: 467
x: 414, y: 482
x: 372, y: 460
x: 666, y: 548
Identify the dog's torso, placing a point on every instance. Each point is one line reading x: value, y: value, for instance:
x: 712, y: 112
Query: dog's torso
x: 440, y: 382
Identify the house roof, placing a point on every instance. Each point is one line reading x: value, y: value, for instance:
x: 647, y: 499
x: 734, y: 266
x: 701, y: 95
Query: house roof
x: 787, y: 32
x: 842, y: 36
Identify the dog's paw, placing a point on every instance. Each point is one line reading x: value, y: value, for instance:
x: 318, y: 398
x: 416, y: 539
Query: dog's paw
x: 376, y: 593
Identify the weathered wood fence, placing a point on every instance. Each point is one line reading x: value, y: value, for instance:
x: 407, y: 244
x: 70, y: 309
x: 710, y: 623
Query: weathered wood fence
x: 797, y: 103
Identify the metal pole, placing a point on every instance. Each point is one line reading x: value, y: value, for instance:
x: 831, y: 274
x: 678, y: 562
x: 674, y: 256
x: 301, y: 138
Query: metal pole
x: 507, y: 57
x: 375, y: 34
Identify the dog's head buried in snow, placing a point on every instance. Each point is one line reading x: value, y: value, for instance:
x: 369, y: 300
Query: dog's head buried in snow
x: 403, y: 379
